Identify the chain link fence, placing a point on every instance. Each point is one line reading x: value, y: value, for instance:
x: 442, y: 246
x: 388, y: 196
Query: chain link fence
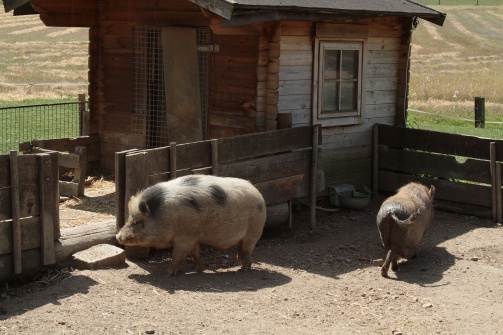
x: 45, y: 121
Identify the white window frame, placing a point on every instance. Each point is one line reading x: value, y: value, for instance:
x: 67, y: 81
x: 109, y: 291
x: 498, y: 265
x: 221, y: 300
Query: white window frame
x: 340, y: 117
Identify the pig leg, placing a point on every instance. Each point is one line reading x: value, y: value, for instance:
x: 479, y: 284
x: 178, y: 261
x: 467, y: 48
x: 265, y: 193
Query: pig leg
x: 180, y: 251
x: 196, y: 257
x: 390, y: 258
x: 245, y: 251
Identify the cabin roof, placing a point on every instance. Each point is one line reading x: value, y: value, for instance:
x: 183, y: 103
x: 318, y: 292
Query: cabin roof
x: 242, y: 12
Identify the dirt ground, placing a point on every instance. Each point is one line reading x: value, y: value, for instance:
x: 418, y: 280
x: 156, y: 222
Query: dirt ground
x: 302, y: 282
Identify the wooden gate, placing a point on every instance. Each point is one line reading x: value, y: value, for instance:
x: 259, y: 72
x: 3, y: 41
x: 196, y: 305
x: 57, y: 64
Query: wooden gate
x: 282, y: 164
x: 29, y: 212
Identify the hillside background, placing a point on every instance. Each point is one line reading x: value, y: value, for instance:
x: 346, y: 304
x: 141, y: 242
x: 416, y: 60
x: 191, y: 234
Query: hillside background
x: 451, y: 65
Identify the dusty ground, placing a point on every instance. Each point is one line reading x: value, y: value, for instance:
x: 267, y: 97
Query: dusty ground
x: 303, y: 282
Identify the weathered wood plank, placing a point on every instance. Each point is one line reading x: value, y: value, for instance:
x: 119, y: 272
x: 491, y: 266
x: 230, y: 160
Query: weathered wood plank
x: 46, y: 209
x: 120, y: 187
x: 30, y: 235
x: 254, y: 145
x: 16, y: 224
x: 30, y: 262
x: 426, y: 140
x: 69, y: 188
x: 434, y: 165
x: 445, y: 190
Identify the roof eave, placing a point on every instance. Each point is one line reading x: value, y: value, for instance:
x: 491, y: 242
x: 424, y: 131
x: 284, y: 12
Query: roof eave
x: 244, y: 16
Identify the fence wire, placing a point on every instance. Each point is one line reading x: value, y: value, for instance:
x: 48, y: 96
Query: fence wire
x: 26, y: 123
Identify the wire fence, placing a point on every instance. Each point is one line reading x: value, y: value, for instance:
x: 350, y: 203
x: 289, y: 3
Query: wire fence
x: 26, y: 123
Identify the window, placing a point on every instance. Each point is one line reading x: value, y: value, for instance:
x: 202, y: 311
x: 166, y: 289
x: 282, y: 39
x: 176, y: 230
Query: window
x: 338, y: 82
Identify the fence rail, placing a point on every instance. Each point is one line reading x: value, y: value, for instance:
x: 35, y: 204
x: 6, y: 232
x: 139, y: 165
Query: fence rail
x: 25, y: 123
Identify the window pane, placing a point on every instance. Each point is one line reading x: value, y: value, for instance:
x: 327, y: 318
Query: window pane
x: 349, y: 64
x: 329, y: 103
x: 348, y: 95
x: 331, y: 65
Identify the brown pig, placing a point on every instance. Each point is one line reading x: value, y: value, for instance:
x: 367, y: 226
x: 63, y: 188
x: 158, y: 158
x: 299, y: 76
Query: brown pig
x: 402, y: 221
x: 195, y: 210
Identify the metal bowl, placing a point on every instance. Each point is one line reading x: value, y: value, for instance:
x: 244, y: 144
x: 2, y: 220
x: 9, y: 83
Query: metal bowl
x: 354, y: 200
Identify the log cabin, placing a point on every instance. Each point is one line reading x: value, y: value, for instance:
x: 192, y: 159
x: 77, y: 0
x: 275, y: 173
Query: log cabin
x: 164, y: 71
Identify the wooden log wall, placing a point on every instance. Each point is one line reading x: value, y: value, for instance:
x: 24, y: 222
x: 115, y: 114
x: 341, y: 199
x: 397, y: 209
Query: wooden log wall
x: 465, y: 170
x: 347, y: 149
x: 28, y: 212
x: 232, y: 103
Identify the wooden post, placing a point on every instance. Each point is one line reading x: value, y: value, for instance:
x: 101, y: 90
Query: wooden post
x: 120, y: 187
x: 136, y: 180
x: 375, y: 160
x: 172, y: 160
x: 16, y: 223
x: 46, y: 209
x: 83, y: 127
x: 80, y: 173
x: 55, y: 193
x: 480, y: 112
x: 214, y: 157
x: 314, y: 171
x: 499, y: 205
x: 492, y: 155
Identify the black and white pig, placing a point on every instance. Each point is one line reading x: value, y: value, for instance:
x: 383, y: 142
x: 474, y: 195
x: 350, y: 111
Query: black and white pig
x: 402, y: 221
x: 195, y: 210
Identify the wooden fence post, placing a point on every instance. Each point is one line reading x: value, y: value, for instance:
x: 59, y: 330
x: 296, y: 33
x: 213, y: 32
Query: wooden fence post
x: 120, y: 187
x: 136, y: 180
x: 499, y: 205
x: 492, y: 164
x: 480, y: 112
x: 46, y: 209
x: 172, y: 160
x: 16, y: 223
x: 80, y: 173
x: 314, y: 171
x: 375, y: 161
x: 214, y: 157
x: 83, y: 117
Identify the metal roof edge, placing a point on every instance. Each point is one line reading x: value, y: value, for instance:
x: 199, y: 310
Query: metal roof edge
x: 223, y: 8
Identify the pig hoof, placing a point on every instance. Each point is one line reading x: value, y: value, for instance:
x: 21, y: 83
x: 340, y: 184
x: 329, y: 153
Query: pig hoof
x: 172, y: 272
x: 384, y: 273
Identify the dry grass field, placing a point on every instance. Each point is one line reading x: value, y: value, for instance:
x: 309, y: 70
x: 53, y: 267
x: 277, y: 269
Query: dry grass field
x: 453, y: 64
x: 39, y: 62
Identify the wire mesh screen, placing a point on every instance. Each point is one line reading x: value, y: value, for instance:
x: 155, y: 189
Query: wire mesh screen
x: 26, y: 123
x: 149, y: 127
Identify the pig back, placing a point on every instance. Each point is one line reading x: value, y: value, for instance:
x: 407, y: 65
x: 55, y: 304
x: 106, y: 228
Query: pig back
x: 404, y: 217
x: 217, y: 211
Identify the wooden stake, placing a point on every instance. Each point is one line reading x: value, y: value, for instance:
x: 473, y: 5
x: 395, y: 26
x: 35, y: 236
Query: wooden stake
x: 46, y: 209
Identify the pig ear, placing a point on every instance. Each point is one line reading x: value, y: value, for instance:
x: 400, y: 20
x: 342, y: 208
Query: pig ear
x: 143, y: 207
x: 431, y: 192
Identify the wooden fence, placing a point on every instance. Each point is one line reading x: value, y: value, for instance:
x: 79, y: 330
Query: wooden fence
x: 465, y: 170
x: 79, y: 154
x: 282, y: 164
x: 29, y: 207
